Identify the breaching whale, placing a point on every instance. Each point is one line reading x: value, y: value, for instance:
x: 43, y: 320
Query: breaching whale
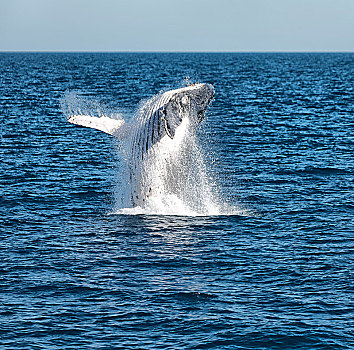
x: 157, y: 153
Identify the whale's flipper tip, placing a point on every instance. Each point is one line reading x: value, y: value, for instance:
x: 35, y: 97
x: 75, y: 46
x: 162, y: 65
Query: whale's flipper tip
x: 108, y: 125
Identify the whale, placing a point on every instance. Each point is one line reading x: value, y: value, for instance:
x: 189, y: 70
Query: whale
x: 156, y: 146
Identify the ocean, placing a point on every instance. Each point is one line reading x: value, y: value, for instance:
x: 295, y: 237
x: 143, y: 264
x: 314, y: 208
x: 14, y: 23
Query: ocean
x: 275, y: 272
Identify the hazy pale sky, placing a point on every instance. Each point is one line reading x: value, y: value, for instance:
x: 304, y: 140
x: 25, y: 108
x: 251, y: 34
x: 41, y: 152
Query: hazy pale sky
x: 178, y: 25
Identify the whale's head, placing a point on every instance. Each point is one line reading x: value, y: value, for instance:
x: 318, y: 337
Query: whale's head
x: 189, y: 102
x: 195, y: 97
x: 200, y: 95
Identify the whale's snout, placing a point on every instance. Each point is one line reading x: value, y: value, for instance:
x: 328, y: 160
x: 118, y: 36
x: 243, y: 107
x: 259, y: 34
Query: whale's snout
x: 211, y: 89
x: 194, y: 99
x: 202, y: 96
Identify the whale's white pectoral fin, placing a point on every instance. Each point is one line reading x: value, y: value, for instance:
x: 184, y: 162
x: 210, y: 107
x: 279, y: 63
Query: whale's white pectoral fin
x: 105, y: 124
x: 171, y: 115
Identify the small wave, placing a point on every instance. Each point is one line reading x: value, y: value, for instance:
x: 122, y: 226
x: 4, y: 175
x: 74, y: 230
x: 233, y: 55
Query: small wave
x: 313, y: 170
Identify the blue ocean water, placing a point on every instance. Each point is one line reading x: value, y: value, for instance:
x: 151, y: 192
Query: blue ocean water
x: 278, y: 140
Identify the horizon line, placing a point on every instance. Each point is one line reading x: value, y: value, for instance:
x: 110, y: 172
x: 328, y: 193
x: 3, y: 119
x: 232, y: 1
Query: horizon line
x: 175, y: 51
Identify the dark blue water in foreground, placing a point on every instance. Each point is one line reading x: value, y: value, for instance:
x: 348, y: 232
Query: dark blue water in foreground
x: 72, y: 276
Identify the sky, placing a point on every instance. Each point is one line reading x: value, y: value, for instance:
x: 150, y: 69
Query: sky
x: 177, y: 25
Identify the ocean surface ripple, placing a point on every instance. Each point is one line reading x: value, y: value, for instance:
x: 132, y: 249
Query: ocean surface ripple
x: 278, y: 139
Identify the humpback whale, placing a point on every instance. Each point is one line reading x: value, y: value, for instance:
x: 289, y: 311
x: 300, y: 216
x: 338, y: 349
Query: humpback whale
x: 156, y: 143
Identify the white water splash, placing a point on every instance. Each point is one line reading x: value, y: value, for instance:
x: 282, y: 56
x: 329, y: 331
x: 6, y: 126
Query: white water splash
x: 174, y: 175
x: 74, y: 103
